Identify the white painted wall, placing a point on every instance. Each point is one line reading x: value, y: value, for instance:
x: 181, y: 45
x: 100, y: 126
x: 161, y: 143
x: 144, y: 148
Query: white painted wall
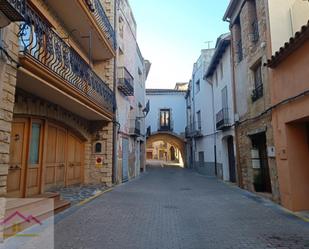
x: 222, y: 82
x: 286, y: 18
x: 202, y: 101
x: 174, y: 100
x: 129, y: 56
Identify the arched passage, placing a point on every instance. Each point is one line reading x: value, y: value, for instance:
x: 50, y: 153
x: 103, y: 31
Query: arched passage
x: 160, y: 145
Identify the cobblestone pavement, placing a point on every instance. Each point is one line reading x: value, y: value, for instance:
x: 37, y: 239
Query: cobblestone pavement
x: 78, y: 193
x: 171, y: 208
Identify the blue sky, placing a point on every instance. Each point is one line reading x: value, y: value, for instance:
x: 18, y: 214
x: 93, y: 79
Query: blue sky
x: 171, y: 34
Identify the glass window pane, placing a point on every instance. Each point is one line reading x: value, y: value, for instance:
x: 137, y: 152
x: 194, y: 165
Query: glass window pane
x: 35, y: 143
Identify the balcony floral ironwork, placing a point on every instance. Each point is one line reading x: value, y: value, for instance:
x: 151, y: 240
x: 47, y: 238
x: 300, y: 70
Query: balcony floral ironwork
x: 135, y: 127
x: 194, y: 129
x: 99, y: 14
x: 125, y: 81
x: 222, y: 119
x: 13, y: 9
x: 257, y: 93
x: 43, y: 44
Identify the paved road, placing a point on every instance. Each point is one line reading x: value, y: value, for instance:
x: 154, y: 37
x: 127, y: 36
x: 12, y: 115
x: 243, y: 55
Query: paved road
x: 169, y: 208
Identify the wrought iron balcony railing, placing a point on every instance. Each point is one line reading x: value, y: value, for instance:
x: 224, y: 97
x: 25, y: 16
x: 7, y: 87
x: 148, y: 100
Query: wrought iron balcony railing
x: 194, y: 130
x: 41, y: 43
x: 257, y: 93
x: 13, y: 9
x: 98, y: 12
x: 222, y: 119
x: 125, y: 81
x: 135, y: 127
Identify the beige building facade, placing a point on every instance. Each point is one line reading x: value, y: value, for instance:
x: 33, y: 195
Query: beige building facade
x: 132, y: 71
x: 256, y: 161
x: 57, y: 100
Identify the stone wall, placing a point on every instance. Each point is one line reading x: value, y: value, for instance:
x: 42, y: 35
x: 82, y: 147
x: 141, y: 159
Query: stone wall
x: 251, y: 113
x: 8, y: 72
x: 245, y: 145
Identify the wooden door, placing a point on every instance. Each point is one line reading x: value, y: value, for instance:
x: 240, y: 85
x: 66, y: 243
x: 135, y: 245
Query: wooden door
x: 33, y: 169
x: 231, y: 156
x: 55, y: 156
x: 74, y: 165
x: 18, y: 155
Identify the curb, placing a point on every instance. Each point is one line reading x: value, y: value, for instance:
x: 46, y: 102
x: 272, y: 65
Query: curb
x: 93, y: 197
x: 265, y: 200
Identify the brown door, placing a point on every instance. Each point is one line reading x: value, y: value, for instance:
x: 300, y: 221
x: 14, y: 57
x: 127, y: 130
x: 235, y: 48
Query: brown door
x: 18, y: 154
x: 74, y: 165
x: 231, y: 156
x: 33, y: 169
x: 55, y: 156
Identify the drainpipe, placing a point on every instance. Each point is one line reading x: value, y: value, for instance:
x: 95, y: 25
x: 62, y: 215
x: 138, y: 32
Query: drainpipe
x: 214, y: 127
x: 239, y: 175
x: 193, y: 117
x: 115, y: 132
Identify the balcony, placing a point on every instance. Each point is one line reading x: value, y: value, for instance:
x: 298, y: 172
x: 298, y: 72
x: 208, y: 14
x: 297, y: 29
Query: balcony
x: 88, y: 24
x: 125, y: 81
x: 193, y: 130
x: 14, y: 10
x: 51, y: 69
x: 222, y: 119
x: 135, y: 127
x: 257, y: 93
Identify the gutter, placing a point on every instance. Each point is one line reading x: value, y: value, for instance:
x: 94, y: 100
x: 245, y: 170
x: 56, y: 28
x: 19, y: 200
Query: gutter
x: 115, y: 123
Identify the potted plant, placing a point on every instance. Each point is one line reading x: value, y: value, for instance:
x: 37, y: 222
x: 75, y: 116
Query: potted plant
x: 258, y: 182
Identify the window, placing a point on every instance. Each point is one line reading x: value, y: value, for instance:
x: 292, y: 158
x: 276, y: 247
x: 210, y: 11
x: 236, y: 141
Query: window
x: 238, y: 40
x: 258, y: 82
x: 198, y: 87
x: 121, y: 27
x: 98, y: 148
x: 35, y: 144
x: 224, y: 98
x: 199, y: 120
x: 254, y: 36
x: 221, y: 70
x: 164, y: 119
x: 216, y: 78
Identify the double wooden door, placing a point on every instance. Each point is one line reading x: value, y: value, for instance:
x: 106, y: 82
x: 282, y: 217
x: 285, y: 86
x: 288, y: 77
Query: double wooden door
x: 42, y: 155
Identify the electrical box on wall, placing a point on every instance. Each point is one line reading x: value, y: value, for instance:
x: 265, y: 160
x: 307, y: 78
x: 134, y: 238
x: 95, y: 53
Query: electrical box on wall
x: 271, y: 151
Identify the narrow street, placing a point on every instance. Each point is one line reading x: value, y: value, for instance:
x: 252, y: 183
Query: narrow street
x: 171, y: 208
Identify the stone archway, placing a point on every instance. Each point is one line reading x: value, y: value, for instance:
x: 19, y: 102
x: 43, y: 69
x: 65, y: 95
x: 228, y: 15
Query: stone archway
x: 171, y: 138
